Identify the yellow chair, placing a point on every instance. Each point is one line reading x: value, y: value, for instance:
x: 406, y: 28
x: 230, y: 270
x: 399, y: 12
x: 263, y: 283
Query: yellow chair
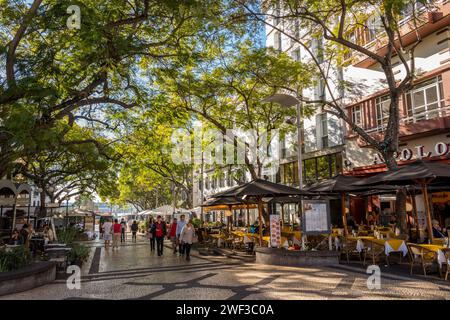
x: 421, y: 255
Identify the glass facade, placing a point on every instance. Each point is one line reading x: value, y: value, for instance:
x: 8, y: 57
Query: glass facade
x: 321, y: 168
x: 314, y: 169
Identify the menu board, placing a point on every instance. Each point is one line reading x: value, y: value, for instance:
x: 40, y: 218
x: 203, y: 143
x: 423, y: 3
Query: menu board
x: 316, y: 217
x: 275, y: 231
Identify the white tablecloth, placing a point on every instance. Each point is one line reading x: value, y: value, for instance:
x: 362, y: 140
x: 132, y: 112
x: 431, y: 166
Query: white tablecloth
x: 441, y: 258
x: 388, y: 249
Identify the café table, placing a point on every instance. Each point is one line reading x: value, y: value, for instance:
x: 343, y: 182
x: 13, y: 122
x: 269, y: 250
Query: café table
x: 218, y: 238
x: 359, y: 241
x: 392, y: 245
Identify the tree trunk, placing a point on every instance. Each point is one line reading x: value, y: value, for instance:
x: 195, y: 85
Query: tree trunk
x: 42, y: 209
x: 400, y: 197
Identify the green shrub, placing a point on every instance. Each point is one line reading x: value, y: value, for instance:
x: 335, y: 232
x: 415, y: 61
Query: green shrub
x: 66, y: 236
x: 197, y: 222
x: 143, y: 225
x: 79, y: 254
x: 15, y: 259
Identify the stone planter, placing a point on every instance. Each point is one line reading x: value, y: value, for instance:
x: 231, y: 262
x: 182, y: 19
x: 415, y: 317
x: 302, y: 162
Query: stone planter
x: 282, y: 257
x: 34, y: 275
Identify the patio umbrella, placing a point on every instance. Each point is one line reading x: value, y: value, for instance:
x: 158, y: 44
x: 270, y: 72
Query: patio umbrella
x: 257, y: 189
x: 423, y: 173
x: 340, y: 184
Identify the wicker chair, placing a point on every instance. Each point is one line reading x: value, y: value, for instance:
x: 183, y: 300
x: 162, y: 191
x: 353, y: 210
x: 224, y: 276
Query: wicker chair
x: 447, y: 259
x: 418, y: 254
x: 373, y: 250
x: 348, y: 248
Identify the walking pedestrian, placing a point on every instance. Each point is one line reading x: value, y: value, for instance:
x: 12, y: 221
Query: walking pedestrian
x: 123, y: 224
x: 160, y: 232
x: 173, y: 235
x: 134, y: 229
x: 107, y: 232
x: 151, y: 235
x: 187, y: 238
x: 180, y: 226
x: 117, y: 228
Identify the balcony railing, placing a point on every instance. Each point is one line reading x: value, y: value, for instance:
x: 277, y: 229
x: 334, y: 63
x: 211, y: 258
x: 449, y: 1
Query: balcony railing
x: 426, y: 115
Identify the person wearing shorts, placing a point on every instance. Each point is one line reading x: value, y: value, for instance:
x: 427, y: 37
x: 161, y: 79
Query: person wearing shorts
x: 107, y: 232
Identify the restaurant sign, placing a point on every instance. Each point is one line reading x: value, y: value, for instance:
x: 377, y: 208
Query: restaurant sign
x: 418, y: 152
x: 275, y: 231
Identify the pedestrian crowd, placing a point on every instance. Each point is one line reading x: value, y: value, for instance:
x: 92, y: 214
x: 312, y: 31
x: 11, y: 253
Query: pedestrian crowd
x: 181, y: 234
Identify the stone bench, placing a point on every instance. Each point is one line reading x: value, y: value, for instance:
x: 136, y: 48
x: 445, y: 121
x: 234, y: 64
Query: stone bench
x: 29, y: 277
x: 282, y: 257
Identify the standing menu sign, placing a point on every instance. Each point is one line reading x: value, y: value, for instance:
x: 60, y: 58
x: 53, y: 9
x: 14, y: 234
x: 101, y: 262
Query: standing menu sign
x: 275, y: 231
x: 316, y: 217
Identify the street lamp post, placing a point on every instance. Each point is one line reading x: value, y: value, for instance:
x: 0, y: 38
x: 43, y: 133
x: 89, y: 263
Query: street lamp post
x: 289, y: 101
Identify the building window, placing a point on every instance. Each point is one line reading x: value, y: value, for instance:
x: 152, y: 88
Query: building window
x: 324, y: 126
x: 356, y: 115
x: 207, y: 183
x: 290, y: 173
x: 373, y: 28
x: 296, y: 54
x: 382, y: 108
x: 277, y: 41
x: 221, y: 182
x: 229, y: 180
x: 297, y: 29
x: 317, y: 49
x: 425, y: 100
x: 277, y: 13
x: 322, y: 168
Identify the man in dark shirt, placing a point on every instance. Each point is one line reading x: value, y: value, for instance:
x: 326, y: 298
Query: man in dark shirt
x: 160, y: 232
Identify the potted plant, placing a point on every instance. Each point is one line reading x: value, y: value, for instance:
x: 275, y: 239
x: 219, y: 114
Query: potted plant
x: 15, y: 259
x: 79, y: 254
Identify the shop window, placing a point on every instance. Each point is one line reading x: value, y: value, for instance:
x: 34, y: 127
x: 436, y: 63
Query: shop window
x: 425, y: 100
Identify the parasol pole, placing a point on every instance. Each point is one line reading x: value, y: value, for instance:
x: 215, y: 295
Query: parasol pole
x: 248, y: 215
x: 260, y: 209
x: 416, y: 216
x: 344, y: 215
x: 423, y: 185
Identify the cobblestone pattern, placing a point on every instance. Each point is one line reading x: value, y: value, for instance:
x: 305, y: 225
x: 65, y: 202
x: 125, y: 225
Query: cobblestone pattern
x: 133, y: 272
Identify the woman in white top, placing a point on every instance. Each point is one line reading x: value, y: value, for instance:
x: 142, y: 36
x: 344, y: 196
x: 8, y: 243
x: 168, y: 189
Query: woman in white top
x: 187, y: 238
x: 107, y: 232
